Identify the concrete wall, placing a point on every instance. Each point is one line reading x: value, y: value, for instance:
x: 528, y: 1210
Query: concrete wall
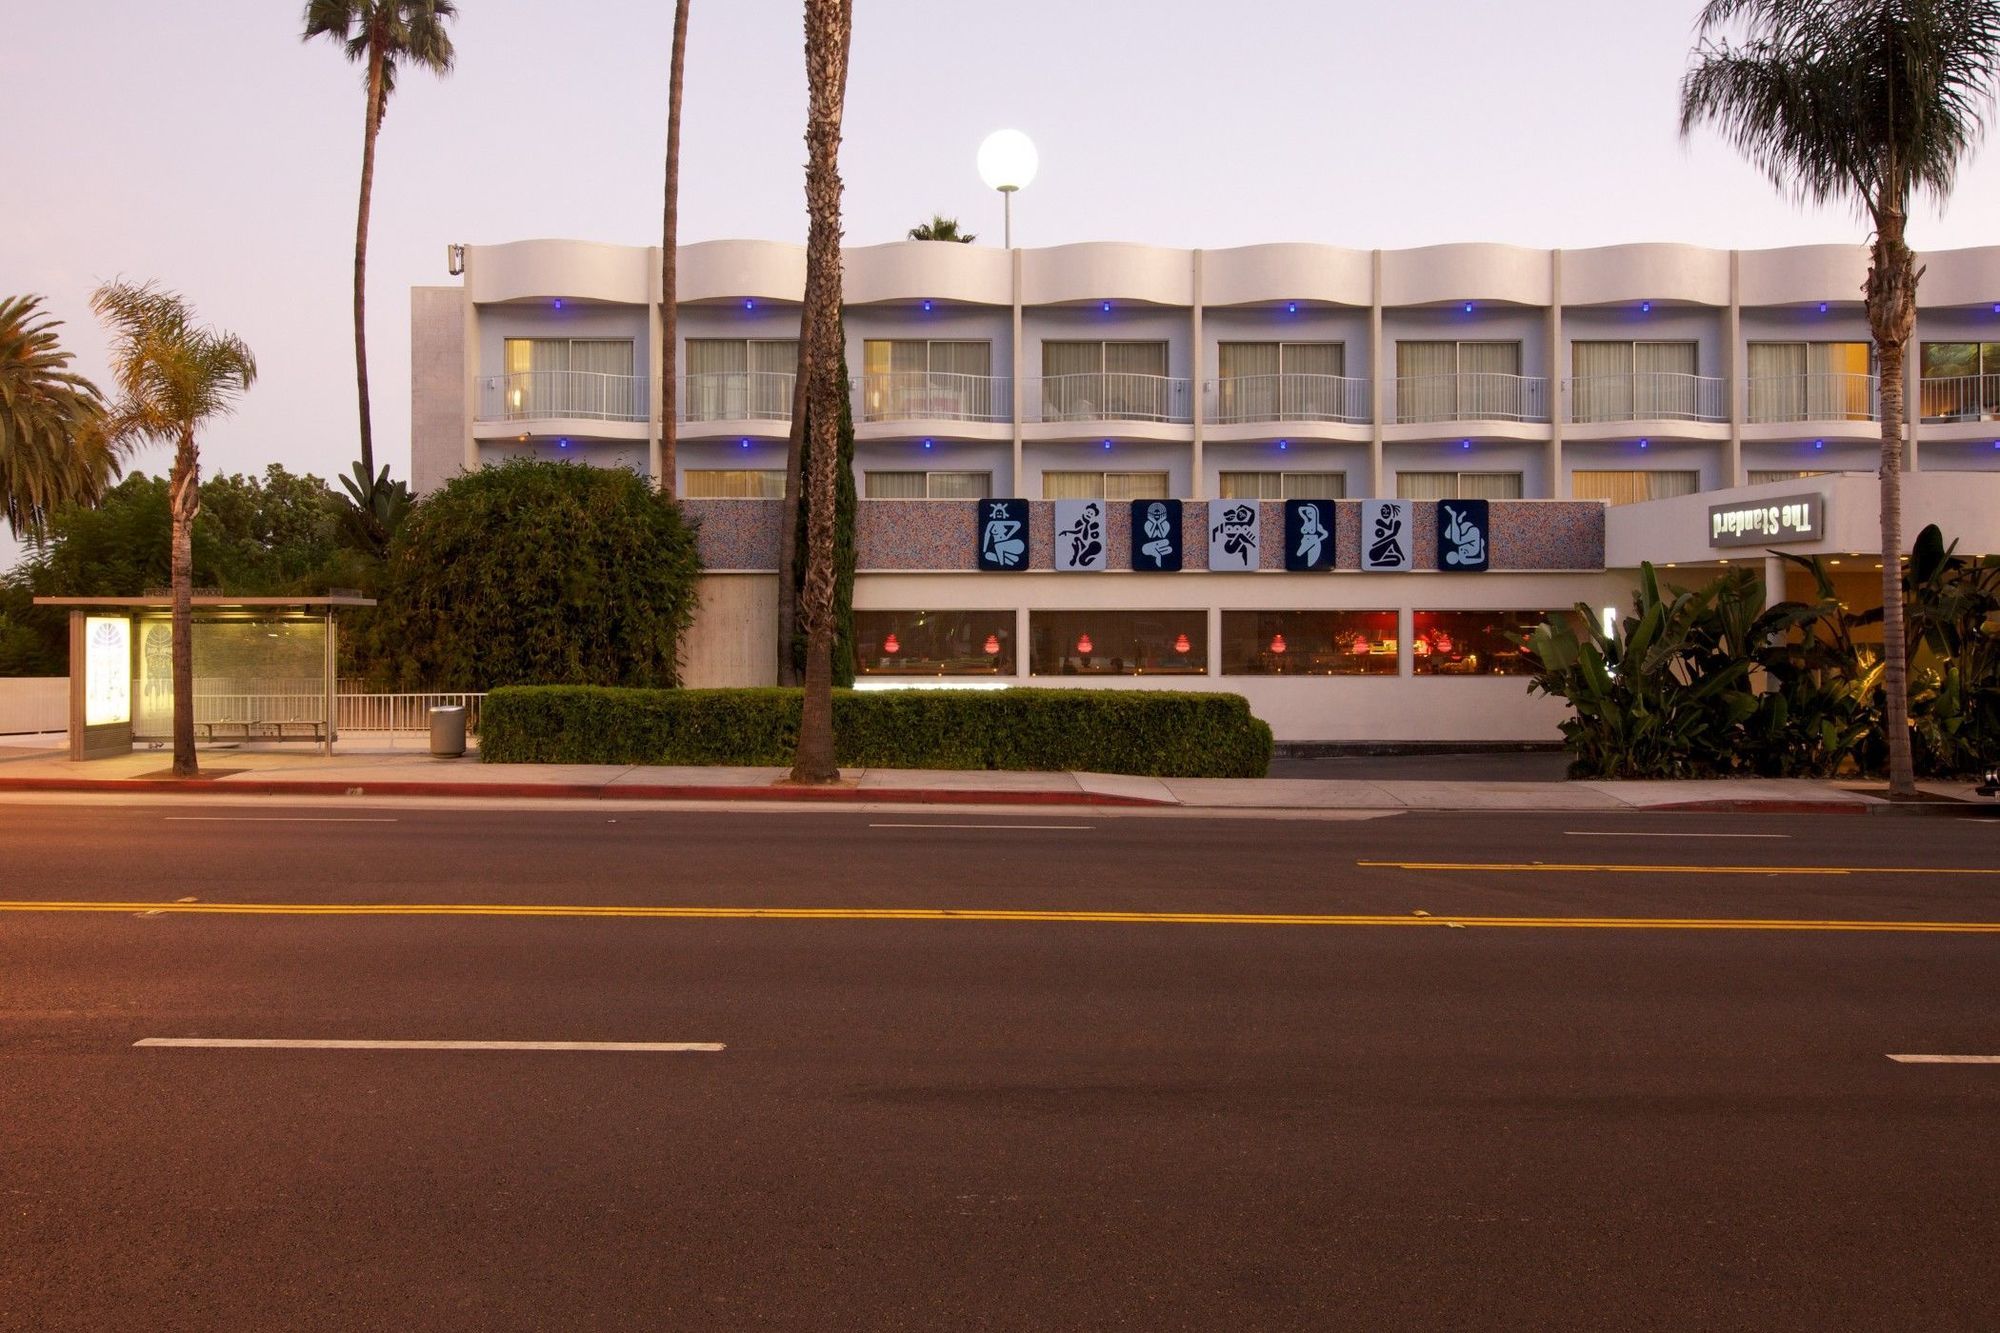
x: 734, y: 640
x: 438, y: 373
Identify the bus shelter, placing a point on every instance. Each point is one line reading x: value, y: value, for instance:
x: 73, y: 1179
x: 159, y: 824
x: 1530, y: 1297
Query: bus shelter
x: 265, y: 669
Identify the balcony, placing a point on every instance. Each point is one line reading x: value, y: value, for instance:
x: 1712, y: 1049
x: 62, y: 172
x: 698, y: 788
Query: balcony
x: 1471, y: 396
x: 1962, y: 398
x: 918, y: 395
x: 1822, y: 396
x: 578, y: 395
x: 1248, y: 399
x: 737, y: 395
x: 1107, y: 396
x: 1648, y: 395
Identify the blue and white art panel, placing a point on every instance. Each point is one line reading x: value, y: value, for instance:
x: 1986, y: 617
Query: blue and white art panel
x: 1156, y: 536
x: 1308, y: 534
x: 1234, y: 535
x: 1387, y: 543
x: 1463, y: 530
x: 1002, y: 534
x: 1080, y: 536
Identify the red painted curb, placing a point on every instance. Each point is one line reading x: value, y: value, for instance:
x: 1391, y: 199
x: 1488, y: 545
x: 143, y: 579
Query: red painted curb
x: 1764, y: 807
x: 578, y: 791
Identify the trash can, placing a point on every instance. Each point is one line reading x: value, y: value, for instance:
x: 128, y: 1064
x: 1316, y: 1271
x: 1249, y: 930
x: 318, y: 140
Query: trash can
x: 448, y: 732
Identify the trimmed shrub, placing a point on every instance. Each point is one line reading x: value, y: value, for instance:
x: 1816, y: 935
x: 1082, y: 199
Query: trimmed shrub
x: 1156, y: 733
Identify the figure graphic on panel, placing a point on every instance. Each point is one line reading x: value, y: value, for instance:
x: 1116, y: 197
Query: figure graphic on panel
x: 1086, y: 535
x: 1000, y: 541
x: 1157, y: 532
x: 1467, y: 541
x: 1238, y: 532
x: 1312, y: 534
x: 1387, y: 548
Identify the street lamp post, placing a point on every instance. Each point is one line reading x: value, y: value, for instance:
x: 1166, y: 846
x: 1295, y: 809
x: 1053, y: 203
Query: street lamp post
x: 1007, y: 161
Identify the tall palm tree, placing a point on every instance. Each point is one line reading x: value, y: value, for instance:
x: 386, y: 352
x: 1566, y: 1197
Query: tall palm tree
x: 941, y: 228
x: 1865, y: 103
x: 52, y: 445
x: 670, y: 240
x: 829, y: 24
x: 380, y: 35
x: 174, y: 375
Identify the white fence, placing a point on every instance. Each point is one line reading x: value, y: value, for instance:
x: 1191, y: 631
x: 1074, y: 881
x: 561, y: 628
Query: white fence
x: 393, y: 713
x: 33, y: 704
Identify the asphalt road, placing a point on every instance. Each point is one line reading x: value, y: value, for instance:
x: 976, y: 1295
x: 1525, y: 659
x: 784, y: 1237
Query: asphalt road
x: 1282, y: 1108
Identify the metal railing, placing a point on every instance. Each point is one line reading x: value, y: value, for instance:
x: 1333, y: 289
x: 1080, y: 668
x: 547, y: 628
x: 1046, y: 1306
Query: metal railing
x: 403, y: 712
x: 1106, y: 396
x: 532, y: 395
x: 1961, y: 398
x: 1238, y: 399
x: 1648, y: 395
x: 1472, y: 396
x: 737, y: 395
x: 1815, y: 396
x: 929, y: 395
x: 381, y: 714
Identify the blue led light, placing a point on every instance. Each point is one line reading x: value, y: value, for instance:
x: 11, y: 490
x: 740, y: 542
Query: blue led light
x: 1645, y: 307
x: 1465, y: 444
x: 1819, y: 444
x: 927, y: 444
x: 562, y: 444
x: 1105, y: 307
x: 927, y: 306
x: 1996, y: 307
x: 746, y: 444
x: 1284, y: 444
x: 749, y: 305
x: 1468, y: 307
x: 1107, y: 444
x: 1822, y: 307
x: 1644, y: 445
x: 558, y: 303
x: 1291, y: 307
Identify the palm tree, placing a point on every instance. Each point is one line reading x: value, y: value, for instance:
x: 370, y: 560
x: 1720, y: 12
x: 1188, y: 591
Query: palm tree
x: 1867, y: 103
x: 173, y: 376
x: 829, y: 23
x: 670, y: 232
x: 941, y: 228
x: 379, y: 34
x: 52, y: 445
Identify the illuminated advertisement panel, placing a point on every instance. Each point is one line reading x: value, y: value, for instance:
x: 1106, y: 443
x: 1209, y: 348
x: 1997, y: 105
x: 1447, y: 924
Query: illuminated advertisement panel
x: 107, y: 670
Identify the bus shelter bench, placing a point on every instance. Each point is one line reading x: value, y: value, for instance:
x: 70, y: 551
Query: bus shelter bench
x: 260, y: 731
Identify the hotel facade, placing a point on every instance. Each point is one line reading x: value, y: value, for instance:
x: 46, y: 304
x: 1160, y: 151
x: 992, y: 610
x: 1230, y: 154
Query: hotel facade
x: 1338, y: 482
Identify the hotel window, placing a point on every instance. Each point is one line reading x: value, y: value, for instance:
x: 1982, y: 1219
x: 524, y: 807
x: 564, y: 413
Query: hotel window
x: 1109, y: 381
x: 934, y: 643
x: 1459, y: 381
x: 908, y: 378
x: 1627, y: 381
x: 1308, y: 643
x: 1961, y: 381
x: 1458, y: 485
x: 1283, y: 486
x: 573, y: 377
x: 1472, y: 643
x: 1757, y: 476
x: 735, y: 483
x: 1118, y: 643
x: 1624, y: 488
x: 1281, y: 382
x: 926, y: 485
x: 1104, y: 485
x: 739, y: 379
x: 1811, y: 382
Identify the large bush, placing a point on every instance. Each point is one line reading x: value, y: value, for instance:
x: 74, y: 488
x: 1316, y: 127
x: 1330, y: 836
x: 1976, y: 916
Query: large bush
x: 1152, y: 732
x: 536, y: 573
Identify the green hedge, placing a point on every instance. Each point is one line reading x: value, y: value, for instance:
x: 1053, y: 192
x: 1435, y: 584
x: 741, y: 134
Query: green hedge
x: 1102, y: 731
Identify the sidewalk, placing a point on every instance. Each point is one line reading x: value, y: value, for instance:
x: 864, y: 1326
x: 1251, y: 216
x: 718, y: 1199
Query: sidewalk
x: 386, y: 773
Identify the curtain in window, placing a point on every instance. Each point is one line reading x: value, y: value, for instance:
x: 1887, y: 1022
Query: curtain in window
x: 961, y: 485
x: 1135, y: 386
x: 1426, y: 381
x: 1073, y: 485
x: 1427, y: 485
x: 1135, y: 485
x: 1601, y: 383
x: 1777, y: 381
x: 1757, y: 476
x: 892, y: 377
x: 960, y: 385
x: 1247, y: 382
x: 735, y: 484
x: 1489, y: 385
x: 774, y: 364
x: 1664, y: 384
x: 1489, y: 485
x: 1315, y: 485
x: 1251, y: 486
x: 1624, y: 488
x: 892, y: 485
x: 1311, y: 389
x: 535, y: 378
x: 1072, y: 381
x: 716, y: 384
x: 600, y: 383
x: 1837, y: 388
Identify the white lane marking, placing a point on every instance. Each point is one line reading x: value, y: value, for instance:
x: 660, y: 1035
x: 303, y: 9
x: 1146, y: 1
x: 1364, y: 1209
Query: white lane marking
x: 1946, y: 1059
x: 1592, y: 833
x: 316, y: 1044
x: 280, y: 819
x: 993, y: 826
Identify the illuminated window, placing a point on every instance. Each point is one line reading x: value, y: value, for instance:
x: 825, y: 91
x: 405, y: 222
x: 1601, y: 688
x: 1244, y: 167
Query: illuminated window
x: 1283, y: 486
x: 1624, y: 488
x: 735, y: 483
x: 927, y: 485
x: 1104, y: 485
x: 1811, y: 382
x: 1118, y: 643
x: 1309, y: 643
x: 1458, y: 485
x: 1472, y: 643
x: 934, y: 643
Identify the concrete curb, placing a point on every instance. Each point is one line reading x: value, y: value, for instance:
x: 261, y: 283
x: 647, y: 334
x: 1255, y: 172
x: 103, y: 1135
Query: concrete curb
x: 1878, y: 808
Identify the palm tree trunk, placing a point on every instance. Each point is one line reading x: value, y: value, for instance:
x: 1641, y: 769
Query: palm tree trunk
x: 788, y: 508
x: 1892, y: 313
x: 828, y: 24
x: 670, y: 228
x: 372, y: 130
x: 184, y: 501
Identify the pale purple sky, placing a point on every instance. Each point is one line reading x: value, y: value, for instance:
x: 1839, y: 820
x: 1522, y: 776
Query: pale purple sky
x: 203, y: 145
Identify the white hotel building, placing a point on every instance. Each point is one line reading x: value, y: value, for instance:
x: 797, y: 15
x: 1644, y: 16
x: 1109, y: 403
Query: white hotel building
x: 1602, y: 402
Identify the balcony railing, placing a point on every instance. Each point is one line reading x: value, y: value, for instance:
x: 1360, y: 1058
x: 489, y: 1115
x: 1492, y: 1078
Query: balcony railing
x: 1648, y: 395
x: 919, y: 395
x: 737, y: 395
x: 1240, y: 399
x: 1822, y: 396
x: 1472, y: 396
x: 1961, y: 398
x: 1107, y: 396
x: 533, y: 395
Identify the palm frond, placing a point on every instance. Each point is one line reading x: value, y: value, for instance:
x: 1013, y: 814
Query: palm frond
x: 53, y: 450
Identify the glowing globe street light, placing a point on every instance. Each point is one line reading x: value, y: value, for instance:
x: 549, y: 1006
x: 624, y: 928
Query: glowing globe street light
x: 1007, y: 162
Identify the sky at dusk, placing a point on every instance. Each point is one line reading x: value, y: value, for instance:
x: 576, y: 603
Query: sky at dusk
x: 203, y: 145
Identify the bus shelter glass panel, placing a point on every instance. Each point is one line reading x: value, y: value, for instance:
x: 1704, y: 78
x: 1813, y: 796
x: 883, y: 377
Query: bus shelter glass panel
x: 250, y: 676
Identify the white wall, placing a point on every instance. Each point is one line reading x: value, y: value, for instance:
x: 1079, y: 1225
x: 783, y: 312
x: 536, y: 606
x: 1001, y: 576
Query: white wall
x: 31, y: 704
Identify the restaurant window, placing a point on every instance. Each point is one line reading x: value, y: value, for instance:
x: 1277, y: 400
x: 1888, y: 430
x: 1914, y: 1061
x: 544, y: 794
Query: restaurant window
x: 1961, y: 381
x: 1104, y: 485
x: 1118, y: 643
x: 735, y: 484
x: 927, y: 485
x: 1624, y: 488
x: 1472, y: 643
x: 1811, y: 382
x: 1458, y: 485
x: 1308, y: 643
x: 934, y: 643
x: 1283, y: 486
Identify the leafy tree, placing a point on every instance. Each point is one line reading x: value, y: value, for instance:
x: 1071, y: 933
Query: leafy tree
x: 52, y: 448
x: 1864, y: 102
x: 174, y: 375
x: 536, y: 573
x: 670, y: 231
x: 380, y: 35
x: 941, y: 228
